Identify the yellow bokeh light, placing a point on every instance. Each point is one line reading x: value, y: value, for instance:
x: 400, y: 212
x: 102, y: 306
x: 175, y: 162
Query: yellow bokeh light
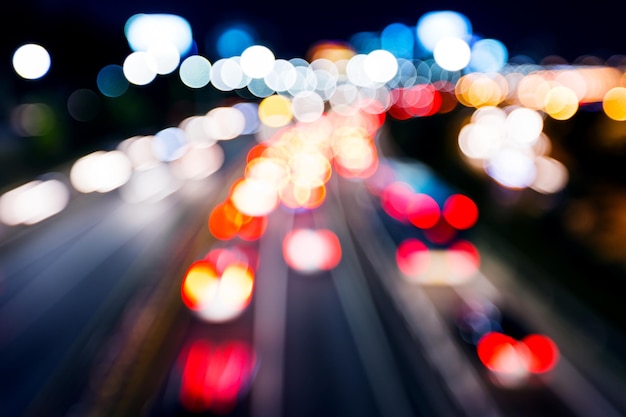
x: 614, y: 103
x: 487, y: 90
x: 561, y: 103
x: 237, y: 283
x: 215, y: 296
x: 462, y: 87
x: 275, y: 111
x: 479, y: 90
x: 200, y: 284
x: 332, y: 50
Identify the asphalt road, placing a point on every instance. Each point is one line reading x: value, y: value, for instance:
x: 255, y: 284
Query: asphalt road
x: 588, y: 378
x: 67, y: 281
x: 93, y: 324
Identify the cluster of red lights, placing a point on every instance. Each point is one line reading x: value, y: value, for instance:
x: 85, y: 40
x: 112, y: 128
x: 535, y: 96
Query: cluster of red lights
x: 503, y: 354
x: 439, y: 224
x: 422, y: 100
x: 510, y: 354
x: 215, y: 375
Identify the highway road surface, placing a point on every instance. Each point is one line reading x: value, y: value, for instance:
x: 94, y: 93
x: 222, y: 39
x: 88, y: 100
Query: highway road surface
x: 92, y: 322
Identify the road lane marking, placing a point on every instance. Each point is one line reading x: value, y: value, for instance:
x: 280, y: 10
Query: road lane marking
x: 270, y: 317
x: 426, y: 324
x: 362, y: 317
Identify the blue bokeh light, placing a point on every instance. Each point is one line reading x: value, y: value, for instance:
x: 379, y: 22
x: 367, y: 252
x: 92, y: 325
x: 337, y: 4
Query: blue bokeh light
x: 234, y: 40
x: 399, y: 39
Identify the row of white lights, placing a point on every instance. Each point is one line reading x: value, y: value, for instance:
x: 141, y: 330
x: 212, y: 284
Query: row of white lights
x: 365, y: 71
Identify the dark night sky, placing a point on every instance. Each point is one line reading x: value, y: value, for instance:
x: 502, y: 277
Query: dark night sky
x: 83, y: 36
x: 534, y: 27
x: 94, y: 32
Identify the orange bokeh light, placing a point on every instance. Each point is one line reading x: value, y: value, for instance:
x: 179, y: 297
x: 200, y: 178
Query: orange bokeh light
x: 200, y: 282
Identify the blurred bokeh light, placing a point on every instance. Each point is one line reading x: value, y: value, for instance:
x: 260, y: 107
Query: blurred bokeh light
x: 269, y: 136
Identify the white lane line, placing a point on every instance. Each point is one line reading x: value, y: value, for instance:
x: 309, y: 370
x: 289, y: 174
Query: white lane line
x: 270, y: 319
x: 360, y: 312
x: 567, y: 381
x: 64, y: 228
x: 426, y: 323
x: 580, y: 395
x: 77, y: 263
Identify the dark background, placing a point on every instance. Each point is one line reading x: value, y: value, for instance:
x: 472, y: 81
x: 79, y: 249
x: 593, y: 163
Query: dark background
x: 84, y: 36
x: 534, y: 28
